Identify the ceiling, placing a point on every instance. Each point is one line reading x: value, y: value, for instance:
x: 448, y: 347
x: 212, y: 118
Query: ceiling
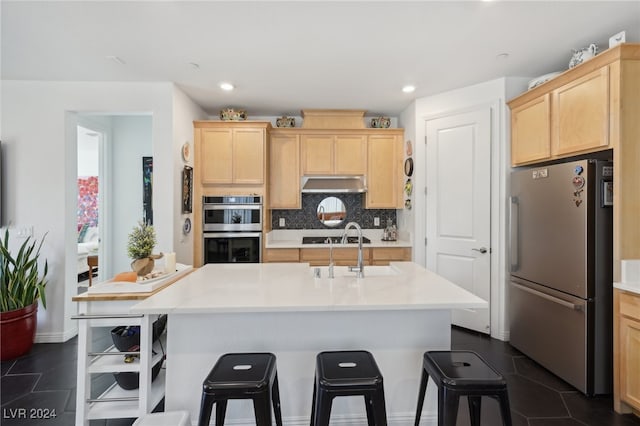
x: 287, y: 56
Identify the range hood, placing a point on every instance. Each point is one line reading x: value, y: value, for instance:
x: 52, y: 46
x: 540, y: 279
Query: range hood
x: 333, y: 184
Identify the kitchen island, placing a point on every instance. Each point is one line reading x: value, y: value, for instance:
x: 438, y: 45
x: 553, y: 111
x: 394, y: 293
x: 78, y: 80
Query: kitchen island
x: 396, y: 312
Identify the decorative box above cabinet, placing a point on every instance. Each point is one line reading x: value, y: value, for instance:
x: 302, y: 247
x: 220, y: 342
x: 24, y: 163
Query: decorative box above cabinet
x: 231, y: 152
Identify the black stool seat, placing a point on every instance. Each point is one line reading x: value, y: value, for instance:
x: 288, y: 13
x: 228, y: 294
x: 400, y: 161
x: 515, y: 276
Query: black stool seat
x: 242, y: 376
x: 347, y: 373
x: 462, y: 373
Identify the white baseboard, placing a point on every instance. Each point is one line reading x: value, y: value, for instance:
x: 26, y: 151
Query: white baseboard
x: 502, y: 335
x: 56, y: 337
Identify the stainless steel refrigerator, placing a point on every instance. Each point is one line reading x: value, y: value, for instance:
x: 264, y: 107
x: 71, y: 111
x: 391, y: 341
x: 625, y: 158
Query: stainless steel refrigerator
x: 560, y: 292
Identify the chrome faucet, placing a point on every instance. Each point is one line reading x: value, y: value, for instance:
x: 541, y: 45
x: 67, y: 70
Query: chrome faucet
x: 330, y: 242
x: 359, y: 268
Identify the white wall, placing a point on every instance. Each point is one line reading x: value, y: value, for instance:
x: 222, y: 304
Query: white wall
x: 88, y: 153
x: 185, y: 111
x: 493, y: 93
x: 38, y: 124
x: 130, y: 142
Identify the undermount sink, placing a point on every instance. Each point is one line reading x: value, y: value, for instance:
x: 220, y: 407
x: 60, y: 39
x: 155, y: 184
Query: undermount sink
x: 343, y: 271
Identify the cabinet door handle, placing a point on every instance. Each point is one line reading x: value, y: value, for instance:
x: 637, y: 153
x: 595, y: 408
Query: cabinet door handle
x: 482, y: 250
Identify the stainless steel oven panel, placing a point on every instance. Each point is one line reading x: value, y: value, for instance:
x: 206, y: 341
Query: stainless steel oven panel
x: 231, y: 227
x: 209, y: 226
x: 233, y: 207
x: 232, y: 199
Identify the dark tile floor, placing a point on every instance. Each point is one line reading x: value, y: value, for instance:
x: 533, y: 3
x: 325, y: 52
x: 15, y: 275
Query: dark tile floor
x: 537, y: 397
x: 45, y: 379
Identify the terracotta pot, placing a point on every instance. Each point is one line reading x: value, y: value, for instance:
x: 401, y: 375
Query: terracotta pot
x: 143, y: 266
x: 17, y: 331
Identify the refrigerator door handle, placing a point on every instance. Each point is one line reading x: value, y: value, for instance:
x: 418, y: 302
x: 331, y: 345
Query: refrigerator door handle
x: 513, y: 233
x: 564, y: 303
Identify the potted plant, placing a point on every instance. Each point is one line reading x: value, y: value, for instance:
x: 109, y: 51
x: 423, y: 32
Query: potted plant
x: 21, y: 285
x: 142, y: 240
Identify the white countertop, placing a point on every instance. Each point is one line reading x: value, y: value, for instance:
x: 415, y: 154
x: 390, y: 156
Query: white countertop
x: 293, y: 238
x: 291, y: 287
x: 631, y: 287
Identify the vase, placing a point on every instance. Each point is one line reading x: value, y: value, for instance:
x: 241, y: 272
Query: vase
x: 143, y: 266
x: 17, y: 331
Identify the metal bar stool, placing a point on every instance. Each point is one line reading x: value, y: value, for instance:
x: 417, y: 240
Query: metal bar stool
x: 462, y: 373
x: 347, y: 373
x: 242, y: 376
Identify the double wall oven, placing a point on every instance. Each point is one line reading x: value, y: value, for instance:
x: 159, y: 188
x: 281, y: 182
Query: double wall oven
x: 232, y: 229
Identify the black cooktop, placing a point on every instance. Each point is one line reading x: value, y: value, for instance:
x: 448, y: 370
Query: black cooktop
x: 334, y: 240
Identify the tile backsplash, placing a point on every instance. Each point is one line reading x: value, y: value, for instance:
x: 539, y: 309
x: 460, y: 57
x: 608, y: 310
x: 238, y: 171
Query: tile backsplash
x: 306, y: 218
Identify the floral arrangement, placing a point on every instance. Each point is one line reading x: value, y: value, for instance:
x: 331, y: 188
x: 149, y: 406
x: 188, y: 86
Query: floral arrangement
x: 142, y: 240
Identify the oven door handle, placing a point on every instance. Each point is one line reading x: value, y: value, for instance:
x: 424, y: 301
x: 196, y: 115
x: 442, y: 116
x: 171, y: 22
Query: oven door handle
x: 232, y: 207
x: 231, y: 234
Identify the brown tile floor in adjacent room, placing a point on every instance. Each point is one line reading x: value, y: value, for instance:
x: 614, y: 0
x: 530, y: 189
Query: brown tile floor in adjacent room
x: 46, y: 379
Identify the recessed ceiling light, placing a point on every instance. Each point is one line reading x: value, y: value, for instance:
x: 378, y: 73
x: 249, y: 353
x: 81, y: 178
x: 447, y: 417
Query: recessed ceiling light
x: 226, y: 86
x: 408, y: 89
x: 194, y: 65
x: 502, y: 56
x: 116, y: 59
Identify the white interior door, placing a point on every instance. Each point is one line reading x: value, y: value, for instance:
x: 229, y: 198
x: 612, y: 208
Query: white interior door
x: 458, y: 206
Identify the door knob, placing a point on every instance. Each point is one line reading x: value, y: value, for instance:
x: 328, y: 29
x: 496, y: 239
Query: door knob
x: 482, y: 250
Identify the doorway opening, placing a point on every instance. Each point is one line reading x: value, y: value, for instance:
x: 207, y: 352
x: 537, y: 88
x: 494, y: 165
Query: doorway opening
x: 89, y: 142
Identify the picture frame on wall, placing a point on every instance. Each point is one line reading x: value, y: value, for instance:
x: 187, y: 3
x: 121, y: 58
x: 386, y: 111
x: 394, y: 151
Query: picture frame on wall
x: 187, y: 189
x: 147, y: 190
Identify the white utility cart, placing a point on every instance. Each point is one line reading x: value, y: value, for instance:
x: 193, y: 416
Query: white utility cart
x: 109, y: 307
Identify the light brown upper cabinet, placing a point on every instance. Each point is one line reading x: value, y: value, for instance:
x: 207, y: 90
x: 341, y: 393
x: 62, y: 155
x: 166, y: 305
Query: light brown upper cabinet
x: 384, y: 177
x: 575, y: 113
x: 531, y: 131
x: 334, y: 154
x: 231, y: 153
x: 284, y: 171
x: 581, y: 114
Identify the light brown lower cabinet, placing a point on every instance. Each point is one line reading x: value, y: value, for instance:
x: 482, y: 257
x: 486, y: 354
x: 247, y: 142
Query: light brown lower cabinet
x: 384, y: 255
x: 281, y: 255
x: 627, y: 371
x: 341, y: 256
